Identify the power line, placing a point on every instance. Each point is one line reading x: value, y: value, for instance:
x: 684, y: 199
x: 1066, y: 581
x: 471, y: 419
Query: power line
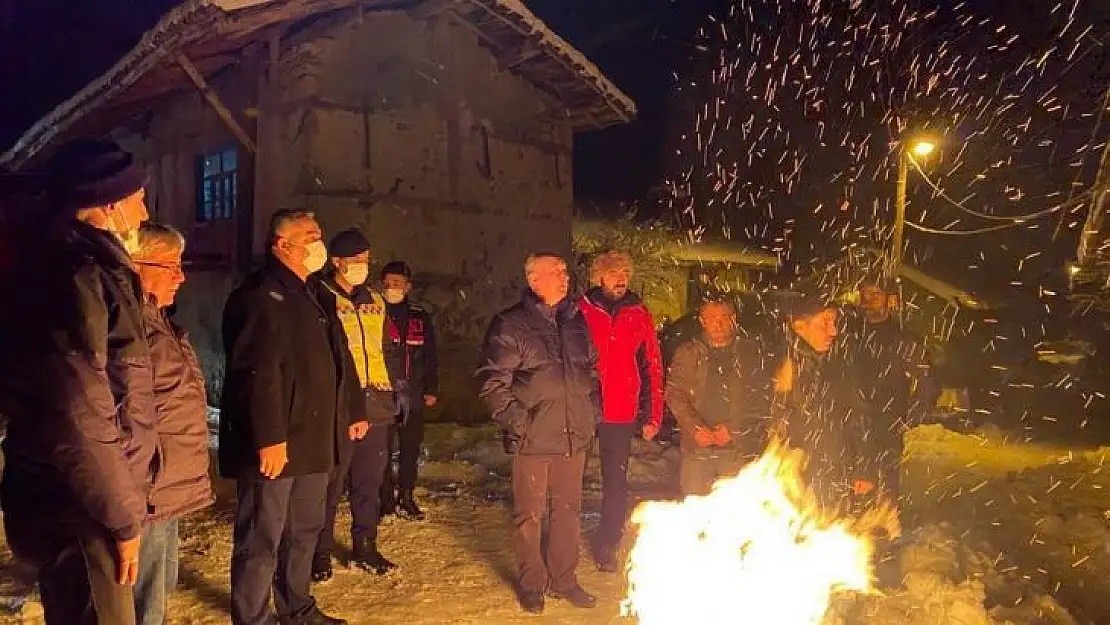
x: 917, y: 226
x: 1015, y: 218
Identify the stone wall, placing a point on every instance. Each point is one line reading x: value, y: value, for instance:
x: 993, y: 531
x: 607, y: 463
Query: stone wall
x: 407, y: 130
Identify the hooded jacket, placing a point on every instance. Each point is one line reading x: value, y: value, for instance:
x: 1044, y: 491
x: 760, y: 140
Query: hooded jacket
x: 76, y: 388
x: 538, y: 377
x: 183, y: 484
x: 289, y: 375
x: 630, y: 364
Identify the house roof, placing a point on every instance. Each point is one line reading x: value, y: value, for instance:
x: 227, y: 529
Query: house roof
x: 681, y: 251
x: 213, y: 33
x: 851, y: 270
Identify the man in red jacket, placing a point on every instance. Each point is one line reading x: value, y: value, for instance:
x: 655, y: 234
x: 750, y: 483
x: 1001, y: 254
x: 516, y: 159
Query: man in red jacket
x: 631, y: 370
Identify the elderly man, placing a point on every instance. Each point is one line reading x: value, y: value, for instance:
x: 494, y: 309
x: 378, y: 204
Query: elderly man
x: 537, y: 377
x: 291, y: 405
x: 183, y: 485
x: 362, y: 313
x: 75, y: 385
x: 630, y: 366
x: 720, y: 395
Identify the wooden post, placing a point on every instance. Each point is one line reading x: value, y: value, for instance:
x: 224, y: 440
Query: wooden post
x: 214, y: 100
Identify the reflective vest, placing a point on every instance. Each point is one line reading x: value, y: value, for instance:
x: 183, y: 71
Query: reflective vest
x: 363, y: 324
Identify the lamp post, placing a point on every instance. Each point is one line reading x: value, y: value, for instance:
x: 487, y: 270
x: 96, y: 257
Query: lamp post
x: 919, y: 148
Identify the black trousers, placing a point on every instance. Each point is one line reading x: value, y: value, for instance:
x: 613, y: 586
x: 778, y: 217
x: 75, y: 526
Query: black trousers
x: 277, y: 524
x: 361, y: 476
x: 406, y: 439
x: 78, y: 586
x: 534, y: 477
x: 615, y: 446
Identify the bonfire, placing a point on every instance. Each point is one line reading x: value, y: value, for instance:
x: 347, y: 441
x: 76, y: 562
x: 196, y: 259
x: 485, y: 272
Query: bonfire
x: 757, y: 549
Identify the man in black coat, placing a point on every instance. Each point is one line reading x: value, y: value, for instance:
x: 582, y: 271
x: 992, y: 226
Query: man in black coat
x: 76, y: 387
x: 537, y: 376
x: 291, y: 406
x: 409, y: 342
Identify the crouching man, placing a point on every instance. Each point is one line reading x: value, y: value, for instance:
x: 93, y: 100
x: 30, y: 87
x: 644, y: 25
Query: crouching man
x: 537, y: 377
x: 720, y: 396
x: 183, y: 485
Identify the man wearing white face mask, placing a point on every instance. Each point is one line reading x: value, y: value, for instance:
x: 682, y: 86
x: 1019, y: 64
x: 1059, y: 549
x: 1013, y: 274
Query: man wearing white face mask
x: 362, y: 312
x: 291, y: 407
x: 76, y: 387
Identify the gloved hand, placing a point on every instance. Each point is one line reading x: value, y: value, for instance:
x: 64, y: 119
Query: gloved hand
x: 721, y: 436
x: 703, y: 437
x: 403, y: 399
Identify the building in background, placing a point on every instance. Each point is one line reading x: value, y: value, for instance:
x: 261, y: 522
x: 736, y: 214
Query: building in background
x: 441, y: 128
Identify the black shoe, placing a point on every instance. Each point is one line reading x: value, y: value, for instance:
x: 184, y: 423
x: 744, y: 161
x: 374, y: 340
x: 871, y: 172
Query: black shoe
x: 321, y: 569
x: 606, y: 560
x: 368, y: 558
x: 388, y: 507
x: 531, y: 601
x: 407, y: 508
x: 315, y: 617
x: 576, y: 596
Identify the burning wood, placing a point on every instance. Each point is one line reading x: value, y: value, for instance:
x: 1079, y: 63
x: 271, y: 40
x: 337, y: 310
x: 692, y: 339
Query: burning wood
x: 757, y: 549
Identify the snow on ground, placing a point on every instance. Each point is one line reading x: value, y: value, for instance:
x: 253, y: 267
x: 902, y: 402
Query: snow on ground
x: 1001, y: 529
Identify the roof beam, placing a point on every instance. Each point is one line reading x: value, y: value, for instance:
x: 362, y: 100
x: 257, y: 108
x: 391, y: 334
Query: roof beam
x: 430, y: 8
x: 216, y: 103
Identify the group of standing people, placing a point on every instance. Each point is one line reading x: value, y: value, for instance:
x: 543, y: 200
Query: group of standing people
x: 555, y: 373
x: 106, y: 446
x: 107, y: 442
x: 107, y: 439
x: 322, y: 371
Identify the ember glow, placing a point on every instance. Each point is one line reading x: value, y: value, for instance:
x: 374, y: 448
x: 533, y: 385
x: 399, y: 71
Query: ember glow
x: 756, y: 550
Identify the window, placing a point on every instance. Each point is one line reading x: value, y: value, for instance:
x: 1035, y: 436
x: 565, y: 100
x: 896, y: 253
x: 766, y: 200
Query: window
x: 218, y: 185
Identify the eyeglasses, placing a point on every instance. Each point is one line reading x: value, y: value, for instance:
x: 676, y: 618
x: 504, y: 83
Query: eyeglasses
x: 175, y: 267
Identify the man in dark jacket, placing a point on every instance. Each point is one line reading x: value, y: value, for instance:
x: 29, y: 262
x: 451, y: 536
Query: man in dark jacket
x: 362, y: 314
x: 75, y: 385
x: 291, y: 405
x: 183, y: 484
x: 851, y: 448
x: 892, y: 362
x: 410, y: 354
x: 537, y: 376
x: 630, y: 367
x: 720, y: 395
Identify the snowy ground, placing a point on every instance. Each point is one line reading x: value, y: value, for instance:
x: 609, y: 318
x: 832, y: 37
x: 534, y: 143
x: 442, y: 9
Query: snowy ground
x: 1003, y: 529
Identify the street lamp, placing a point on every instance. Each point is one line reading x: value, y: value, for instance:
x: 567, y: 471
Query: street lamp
x: 920, y: 147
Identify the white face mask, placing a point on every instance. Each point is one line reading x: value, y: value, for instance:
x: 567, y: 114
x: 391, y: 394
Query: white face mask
x: 356, y: 273
x: 394, y: 296
x: 316, y: 257
x: 127, y: 236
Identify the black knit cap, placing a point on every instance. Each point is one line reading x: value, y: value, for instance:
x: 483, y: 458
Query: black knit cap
x: 396, y: 268
x: 348, y: 243
x: 87, y: 173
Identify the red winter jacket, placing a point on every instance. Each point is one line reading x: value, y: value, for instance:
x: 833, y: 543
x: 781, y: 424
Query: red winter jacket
x: 628, y: 354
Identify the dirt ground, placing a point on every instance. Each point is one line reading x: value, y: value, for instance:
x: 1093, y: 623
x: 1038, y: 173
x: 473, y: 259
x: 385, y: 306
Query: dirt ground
x: 1004, y: 533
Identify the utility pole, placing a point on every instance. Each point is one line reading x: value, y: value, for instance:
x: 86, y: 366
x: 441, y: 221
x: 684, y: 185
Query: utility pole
x: 899, y: 214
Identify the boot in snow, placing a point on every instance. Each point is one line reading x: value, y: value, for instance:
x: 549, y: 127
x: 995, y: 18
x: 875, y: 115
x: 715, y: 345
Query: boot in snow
x: 368, y: 558
x: 321, y: 569
x: 407, y: 508
x: 388, y: 506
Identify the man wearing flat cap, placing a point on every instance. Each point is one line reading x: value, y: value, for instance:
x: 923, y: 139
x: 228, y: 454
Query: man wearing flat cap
x: 76, y: 387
